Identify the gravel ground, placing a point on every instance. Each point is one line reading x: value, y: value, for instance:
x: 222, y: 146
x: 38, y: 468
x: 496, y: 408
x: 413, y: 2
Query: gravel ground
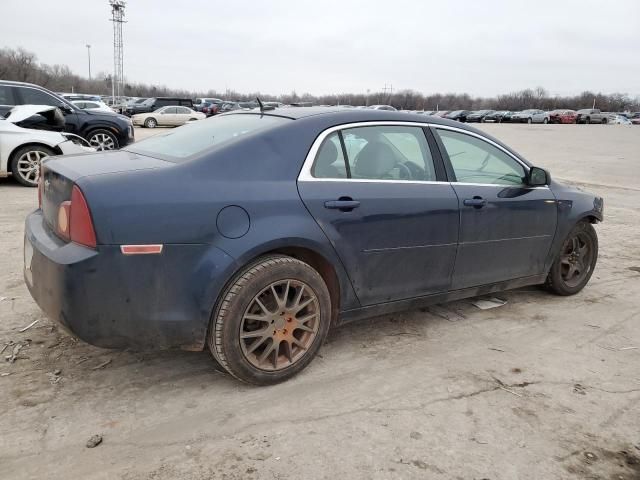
x: 542, y: 388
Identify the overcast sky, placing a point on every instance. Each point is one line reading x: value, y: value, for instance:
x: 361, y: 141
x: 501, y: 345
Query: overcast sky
x: 483, y: 47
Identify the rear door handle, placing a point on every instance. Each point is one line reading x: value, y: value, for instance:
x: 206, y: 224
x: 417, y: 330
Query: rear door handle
x: 476, y: 202
x: 344, y: 204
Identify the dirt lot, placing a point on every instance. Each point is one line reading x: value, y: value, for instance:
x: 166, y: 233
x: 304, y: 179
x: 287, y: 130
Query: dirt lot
x: 541, y: 388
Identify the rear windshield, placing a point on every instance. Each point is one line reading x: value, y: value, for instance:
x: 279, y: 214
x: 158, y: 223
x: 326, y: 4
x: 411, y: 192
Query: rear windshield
x: 179, y: 144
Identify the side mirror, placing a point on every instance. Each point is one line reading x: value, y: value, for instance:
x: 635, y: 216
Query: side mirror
x: 65, y: 108
x: 538, y: 177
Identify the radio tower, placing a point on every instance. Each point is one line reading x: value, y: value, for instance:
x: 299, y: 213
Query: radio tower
x: 117, y: 17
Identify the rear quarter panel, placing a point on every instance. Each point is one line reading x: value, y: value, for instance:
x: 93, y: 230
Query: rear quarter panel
x: 180, y: 204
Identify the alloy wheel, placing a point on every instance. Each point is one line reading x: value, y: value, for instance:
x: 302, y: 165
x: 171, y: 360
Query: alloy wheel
x: 29, y: 165
x: 576, y: 259
x: 280, y: 325
x: 102, y: 141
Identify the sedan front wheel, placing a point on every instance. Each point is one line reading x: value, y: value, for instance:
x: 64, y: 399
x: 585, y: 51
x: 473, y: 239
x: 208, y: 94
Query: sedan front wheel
x: 271, y: 320
x: 576, y: 261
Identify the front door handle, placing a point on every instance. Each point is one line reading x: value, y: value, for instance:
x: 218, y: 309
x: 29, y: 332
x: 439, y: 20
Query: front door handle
x: 475, y: 202
x: 344, y: 204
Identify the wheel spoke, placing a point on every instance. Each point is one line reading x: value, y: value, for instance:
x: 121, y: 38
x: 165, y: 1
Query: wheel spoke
x: 304, y: 328
x: 296, y: 302
x: 583, y: 250
x: 300, y: 306
x: 564, y: 260
x: 267, y: 351
x: 255, y: 333
x: 257, y: 318
x: 262, y: 307
x: 575, y: 245
x: 297, y: 342
x: 287, y: 351
x: 256, y: 344
x: 304, y: 320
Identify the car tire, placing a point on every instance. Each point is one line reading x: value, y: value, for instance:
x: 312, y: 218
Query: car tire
x: 25, y: 163
x: 587, y: 121
x: 529, y: 120
x: 253, y: 313
x: 102, y: 139
x: 151, y: 123
x: 604, y: 121
x: 576, y: 261
x: 545, y: 121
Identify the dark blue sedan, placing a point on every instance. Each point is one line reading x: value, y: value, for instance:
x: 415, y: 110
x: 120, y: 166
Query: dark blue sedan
x: 255, y: 232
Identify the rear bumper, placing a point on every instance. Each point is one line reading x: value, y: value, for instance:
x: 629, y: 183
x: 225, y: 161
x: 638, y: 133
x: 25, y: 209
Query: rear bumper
x: 115, y: 301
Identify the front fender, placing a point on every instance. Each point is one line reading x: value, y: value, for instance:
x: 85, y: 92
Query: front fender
x: 574, y: 205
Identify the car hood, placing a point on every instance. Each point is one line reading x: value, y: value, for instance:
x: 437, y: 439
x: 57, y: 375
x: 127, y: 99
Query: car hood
x: 22, y: 112
x: 75, y: 167
x: 103, y: 114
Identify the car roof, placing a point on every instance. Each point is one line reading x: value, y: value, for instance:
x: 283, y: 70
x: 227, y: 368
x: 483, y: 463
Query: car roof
x: 350, y: 115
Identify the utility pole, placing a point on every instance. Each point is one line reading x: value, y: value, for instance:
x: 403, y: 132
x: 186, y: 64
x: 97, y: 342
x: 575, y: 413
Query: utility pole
x: 388, y: 88
x: 89, y: 57
x: 117, y: 17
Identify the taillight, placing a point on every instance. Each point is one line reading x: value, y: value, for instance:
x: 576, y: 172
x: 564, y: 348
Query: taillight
x: 74, y: 220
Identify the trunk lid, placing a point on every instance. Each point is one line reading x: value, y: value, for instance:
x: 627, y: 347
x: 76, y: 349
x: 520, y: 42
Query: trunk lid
x: 59, y: 175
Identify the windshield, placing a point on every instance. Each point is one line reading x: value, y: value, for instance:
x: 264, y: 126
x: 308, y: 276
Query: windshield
x: 192, y: 139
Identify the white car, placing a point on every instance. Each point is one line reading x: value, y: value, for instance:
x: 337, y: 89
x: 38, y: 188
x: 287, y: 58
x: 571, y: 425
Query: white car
x: 382, y: 107
x: 616, y: 119
x: 97, y: 105
x: 22, y: 149
x: 167, y: 117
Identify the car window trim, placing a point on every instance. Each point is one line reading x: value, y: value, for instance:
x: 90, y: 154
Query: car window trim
x: 306, y: 176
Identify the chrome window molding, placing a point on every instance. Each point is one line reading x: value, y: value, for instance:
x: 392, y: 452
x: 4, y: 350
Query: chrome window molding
x: 306, y: 176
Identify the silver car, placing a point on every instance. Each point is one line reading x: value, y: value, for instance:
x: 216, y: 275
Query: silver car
x: 530, y: 116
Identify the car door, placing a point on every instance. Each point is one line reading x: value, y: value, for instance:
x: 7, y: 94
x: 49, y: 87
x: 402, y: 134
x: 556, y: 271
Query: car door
x: 506, y: 227
x: 167, y: 118
x: 183, y: 114
x: 384, y: 203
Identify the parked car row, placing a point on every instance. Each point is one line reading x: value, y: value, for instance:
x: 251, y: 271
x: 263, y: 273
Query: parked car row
x: 585, y: 116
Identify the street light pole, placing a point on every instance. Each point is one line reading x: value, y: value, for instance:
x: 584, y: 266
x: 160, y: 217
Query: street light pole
x: 89, y: 57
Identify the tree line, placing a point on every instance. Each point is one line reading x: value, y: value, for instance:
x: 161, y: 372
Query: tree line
x: 23, y: 66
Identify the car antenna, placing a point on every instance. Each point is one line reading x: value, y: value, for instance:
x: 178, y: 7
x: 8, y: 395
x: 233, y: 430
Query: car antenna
x: 262, y: 107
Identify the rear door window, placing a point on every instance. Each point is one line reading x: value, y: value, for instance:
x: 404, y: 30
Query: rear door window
x: 389, y: 153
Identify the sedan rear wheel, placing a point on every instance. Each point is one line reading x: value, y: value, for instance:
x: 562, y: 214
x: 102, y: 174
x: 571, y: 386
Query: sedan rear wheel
x: 574, y: 266
x: 103, y: 140
x: 271, y: 321
x: 25, y: 164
